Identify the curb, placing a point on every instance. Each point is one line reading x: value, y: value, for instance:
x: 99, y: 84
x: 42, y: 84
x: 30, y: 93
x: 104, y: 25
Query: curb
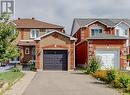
x: 4, y: 87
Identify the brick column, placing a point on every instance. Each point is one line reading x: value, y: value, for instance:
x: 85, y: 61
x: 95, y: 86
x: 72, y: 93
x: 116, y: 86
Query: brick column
x: 72, y: 56
x: 37, y: 55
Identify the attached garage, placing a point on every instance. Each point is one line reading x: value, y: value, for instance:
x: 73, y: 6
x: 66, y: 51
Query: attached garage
x: 109, y: 58
x: 55, y: 59
x: 55, y: 51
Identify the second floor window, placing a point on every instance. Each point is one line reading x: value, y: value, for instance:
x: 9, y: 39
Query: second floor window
x: 95, y: 32
x: 117, y: 32
x: 126, y: 32
x: 34, y: 33
x: 122, y: 32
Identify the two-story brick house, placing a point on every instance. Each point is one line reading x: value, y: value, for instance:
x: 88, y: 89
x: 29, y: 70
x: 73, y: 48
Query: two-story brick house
x: 45, y: 43
x: 107, y: 39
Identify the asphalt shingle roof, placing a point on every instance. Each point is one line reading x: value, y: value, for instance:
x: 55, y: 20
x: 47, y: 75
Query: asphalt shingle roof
x: 32, y: 23
x: 79, y: 22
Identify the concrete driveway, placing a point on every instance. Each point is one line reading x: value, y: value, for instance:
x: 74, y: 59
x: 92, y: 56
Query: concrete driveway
x: 66, y: 83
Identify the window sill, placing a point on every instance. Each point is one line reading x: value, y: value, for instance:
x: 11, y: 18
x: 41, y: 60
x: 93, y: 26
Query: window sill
x: 32, y: 37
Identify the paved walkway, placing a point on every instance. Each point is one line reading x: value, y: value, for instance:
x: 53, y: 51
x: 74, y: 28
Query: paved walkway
x: 21, y: 85
x: 66, y: 83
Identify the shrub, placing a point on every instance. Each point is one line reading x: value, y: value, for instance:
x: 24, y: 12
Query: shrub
x: 111, y: 74
x: 116, y: 82
x: 128, y: 88
x: 93, y: 65
x: 101, y: 75
x: 32, y: 66
x: 15, y: 70
x: 124, y: 80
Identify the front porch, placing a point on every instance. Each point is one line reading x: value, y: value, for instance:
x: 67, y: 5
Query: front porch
x: 27, y: 54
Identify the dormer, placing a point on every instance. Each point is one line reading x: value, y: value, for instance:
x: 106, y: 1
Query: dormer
x: 122, y: 29
x: 97, y: 28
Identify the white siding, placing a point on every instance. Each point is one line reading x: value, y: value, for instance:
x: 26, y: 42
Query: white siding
x: 122, y: 28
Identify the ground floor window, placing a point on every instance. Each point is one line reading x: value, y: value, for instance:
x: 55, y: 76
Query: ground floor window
x: 26, y: 50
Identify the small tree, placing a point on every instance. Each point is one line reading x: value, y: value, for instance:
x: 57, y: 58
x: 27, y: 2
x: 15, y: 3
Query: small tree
x: 8, y: 34
x: 93, y: 65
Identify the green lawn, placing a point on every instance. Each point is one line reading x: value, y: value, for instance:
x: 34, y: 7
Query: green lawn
x: 10, y: 76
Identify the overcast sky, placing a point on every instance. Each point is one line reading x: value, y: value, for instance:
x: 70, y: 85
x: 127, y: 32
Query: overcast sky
x: 62, y: 12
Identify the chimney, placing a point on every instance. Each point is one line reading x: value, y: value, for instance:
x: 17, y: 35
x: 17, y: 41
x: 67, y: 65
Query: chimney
x: 18, y: 18
x: 33, y: 18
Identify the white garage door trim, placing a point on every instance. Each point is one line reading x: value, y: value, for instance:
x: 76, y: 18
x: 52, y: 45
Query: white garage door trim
x: 109, y: 55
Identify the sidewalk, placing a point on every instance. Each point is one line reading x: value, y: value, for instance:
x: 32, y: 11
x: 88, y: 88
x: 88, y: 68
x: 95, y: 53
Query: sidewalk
x: 19, y: 87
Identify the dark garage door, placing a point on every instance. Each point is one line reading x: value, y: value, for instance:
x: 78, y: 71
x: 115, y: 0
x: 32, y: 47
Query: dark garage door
x: 55, y: 60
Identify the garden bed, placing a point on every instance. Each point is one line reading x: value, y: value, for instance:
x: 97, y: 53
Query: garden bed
x: 114, y: 78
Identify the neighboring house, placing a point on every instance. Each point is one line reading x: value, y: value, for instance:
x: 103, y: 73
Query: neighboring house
x: 46, y: 44
x: 107, y: 39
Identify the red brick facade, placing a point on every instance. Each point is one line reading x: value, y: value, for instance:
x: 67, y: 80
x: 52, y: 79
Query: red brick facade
x: 54, y: 41
x: 86, y: 48
x: 109, y: 44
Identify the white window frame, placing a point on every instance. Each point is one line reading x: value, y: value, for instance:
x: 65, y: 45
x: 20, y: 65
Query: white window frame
x: 97, y: 29
x: 35, y: 33
x: 126, y: 31
x: 27, y: 51
x: 94, y: 26
x: 117, y: 30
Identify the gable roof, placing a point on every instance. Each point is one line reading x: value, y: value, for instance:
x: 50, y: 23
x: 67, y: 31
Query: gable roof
x: 55, y: 31
x: 107, y: 37
x: 32, y: 23
x: 79, y: 22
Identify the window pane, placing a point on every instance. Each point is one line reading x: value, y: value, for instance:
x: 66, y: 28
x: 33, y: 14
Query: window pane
x: 26, y: 50
x: 126, y: 32
x: 117, y: 32
x: 33, y: 33
x: 100, y: 30
x: 96, y: 31
x: 92, y: 32
x: 37, y: 33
